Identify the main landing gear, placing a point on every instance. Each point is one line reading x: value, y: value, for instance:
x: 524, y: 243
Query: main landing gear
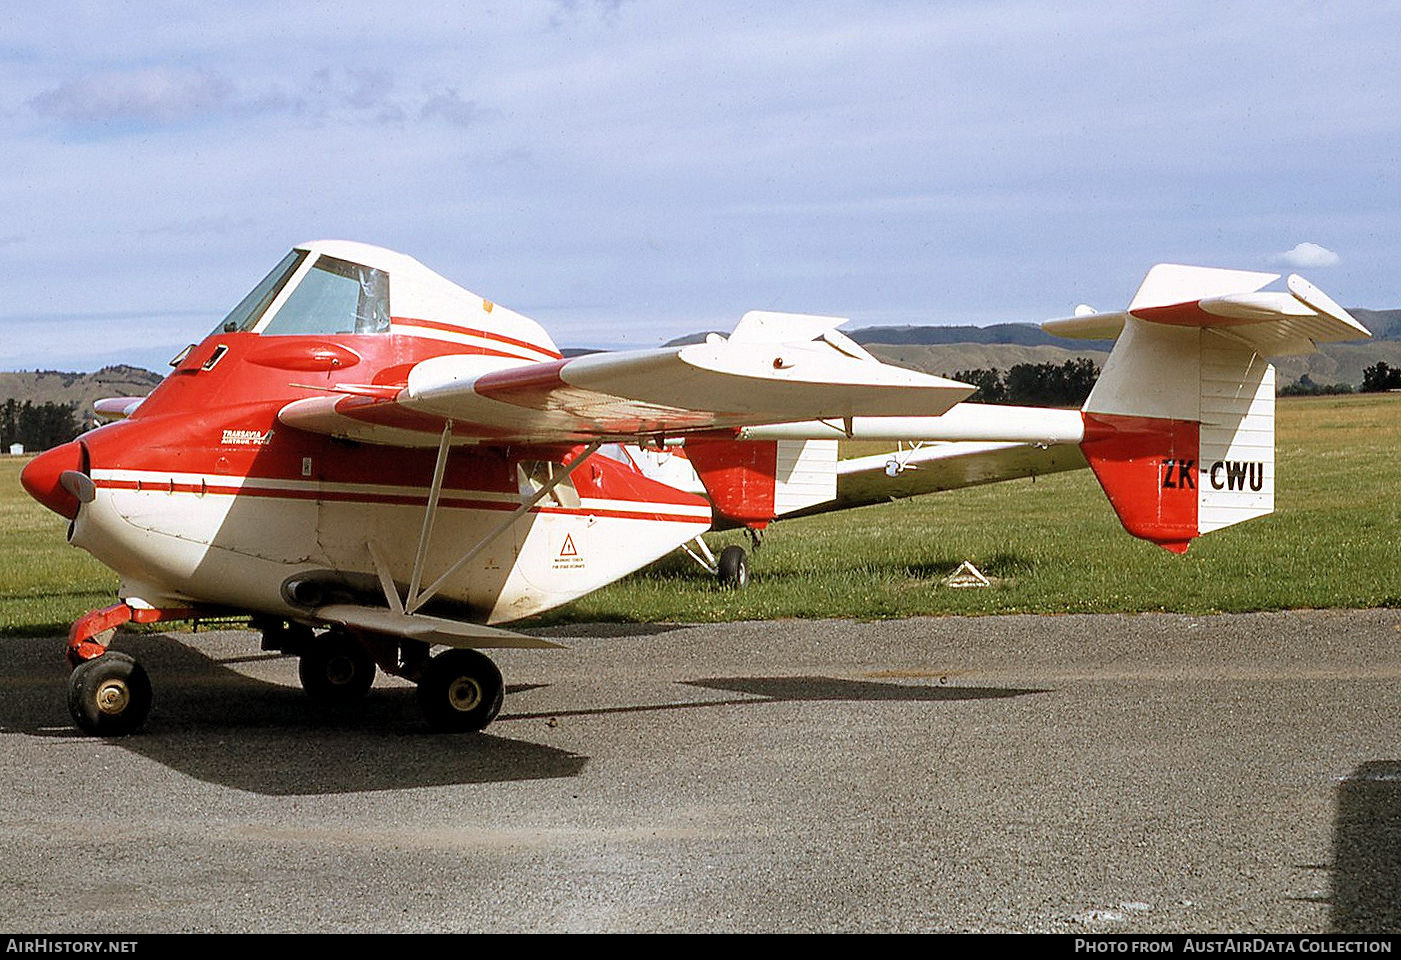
x: 732, y: 569
x: 458, y: 690
x: 109, y: 693
x: 336, y: 669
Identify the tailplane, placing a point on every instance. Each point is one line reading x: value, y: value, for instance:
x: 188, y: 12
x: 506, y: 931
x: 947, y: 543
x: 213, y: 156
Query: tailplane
x: 1179, y: 429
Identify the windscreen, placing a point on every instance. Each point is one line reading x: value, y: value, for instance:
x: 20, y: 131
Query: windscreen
x: 250, y: 309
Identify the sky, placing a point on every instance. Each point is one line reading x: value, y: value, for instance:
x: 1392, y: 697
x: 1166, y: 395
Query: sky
x: 626, y: 171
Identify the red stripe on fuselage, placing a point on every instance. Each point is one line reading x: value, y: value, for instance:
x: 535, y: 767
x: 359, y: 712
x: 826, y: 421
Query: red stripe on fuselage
x: 392, y: 499
x: 472, y: 332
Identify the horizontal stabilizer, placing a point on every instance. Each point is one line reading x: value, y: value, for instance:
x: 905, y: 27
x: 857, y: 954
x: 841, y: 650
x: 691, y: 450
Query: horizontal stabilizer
x: 1231, y: 302
x: 767, y: 326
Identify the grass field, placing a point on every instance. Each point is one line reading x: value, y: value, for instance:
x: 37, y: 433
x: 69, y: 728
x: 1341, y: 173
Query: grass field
x: 1053, y: 545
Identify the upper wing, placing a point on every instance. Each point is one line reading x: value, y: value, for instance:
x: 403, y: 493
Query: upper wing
x: 753, y: 377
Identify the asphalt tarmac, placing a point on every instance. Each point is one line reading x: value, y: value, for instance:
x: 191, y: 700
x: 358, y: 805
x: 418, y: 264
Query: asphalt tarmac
x: 1109, y: 774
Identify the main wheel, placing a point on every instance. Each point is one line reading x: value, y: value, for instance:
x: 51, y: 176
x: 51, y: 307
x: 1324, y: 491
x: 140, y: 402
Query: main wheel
x: 336, y: 669
x: 110, y: 695
x: 461, y: 690
x: 733, y: 568
x: 286, y: 636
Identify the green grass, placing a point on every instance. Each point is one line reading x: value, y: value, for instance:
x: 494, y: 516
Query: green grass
x: 1053, y: 545
x: 44, y: 583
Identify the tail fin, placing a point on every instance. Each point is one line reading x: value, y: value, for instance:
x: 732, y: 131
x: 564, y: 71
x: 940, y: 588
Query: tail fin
x: 1179, y: 429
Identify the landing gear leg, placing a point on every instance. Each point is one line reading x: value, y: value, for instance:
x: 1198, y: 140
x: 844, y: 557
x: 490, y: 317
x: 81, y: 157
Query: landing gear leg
x: 461, y: 690
x: 285, y: 636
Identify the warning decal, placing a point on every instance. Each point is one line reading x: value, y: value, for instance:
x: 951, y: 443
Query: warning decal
x: 568, y: 557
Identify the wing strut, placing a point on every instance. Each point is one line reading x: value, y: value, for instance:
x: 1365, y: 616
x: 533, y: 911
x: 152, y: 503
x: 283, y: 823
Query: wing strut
x: 430, y: 512
x: 416, y: 598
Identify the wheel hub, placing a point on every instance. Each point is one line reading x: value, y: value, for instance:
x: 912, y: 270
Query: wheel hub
x: 113, y: 697
x: 340, y: 671
x: 464, y: 694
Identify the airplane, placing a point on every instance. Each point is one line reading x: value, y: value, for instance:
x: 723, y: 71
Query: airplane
x: 370, y: 461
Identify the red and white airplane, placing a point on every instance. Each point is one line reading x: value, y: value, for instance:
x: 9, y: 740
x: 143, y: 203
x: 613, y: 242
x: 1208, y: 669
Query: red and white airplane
x: 371, y: 461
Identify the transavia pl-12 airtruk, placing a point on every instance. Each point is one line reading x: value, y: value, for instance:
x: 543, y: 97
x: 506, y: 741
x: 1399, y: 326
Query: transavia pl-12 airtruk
x: 372, y: 462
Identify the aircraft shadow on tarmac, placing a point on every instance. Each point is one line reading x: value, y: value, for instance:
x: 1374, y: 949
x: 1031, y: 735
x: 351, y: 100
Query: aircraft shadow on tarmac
x: 220, y: 726
x: 792, y: 689
x: 215, y: 724
x: 1367, y: 850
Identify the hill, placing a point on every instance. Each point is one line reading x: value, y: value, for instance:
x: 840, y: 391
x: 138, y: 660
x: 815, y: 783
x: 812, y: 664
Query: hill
x: 55, y: 386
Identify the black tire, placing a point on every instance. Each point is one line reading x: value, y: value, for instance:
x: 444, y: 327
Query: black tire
x: 461, y: 690
x: 733, y: 568
x: 110, y: 695
x: 287, y: 637
x: 336, y: 669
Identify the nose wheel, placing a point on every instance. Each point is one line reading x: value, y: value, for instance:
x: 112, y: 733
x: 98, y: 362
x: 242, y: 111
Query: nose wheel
x: 110, y: 695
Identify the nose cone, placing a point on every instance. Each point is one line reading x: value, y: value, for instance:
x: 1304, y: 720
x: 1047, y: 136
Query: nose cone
x: 42, y: 477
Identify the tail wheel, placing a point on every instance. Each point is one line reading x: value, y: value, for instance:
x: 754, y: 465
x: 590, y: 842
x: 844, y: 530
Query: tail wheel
x: 110, y: 695
x: 336, y: 669
x: 733, y: 568
x: 461, y: 690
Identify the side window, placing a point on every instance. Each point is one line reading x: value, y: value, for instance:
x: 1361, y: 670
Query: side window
x: 533, y: 475
x: 335, y: 296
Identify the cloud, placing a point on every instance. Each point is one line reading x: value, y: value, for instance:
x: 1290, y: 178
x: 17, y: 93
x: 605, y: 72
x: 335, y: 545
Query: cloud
x: 449, y: 106
x: 156, y: 96
x: 172, y: 97
x: 608, y: 11
x: 1307, y: 255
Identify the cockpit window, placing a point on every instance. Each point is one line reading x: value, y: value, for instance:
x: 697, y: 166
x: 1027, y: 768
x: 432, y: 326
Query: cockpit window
x: 250, y: 309
x: 335, y: 296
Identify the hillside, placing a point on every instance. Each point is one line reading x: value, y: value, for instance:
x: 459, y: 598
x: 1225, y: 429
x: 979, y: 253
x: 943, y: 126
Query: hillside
x: 53, y: 386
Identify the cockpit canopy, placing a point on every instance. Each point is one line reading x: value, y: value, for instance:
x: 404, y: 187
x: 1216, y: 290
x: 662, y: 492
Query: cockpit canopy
x: 332, y: 288
x: 330, y: 296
